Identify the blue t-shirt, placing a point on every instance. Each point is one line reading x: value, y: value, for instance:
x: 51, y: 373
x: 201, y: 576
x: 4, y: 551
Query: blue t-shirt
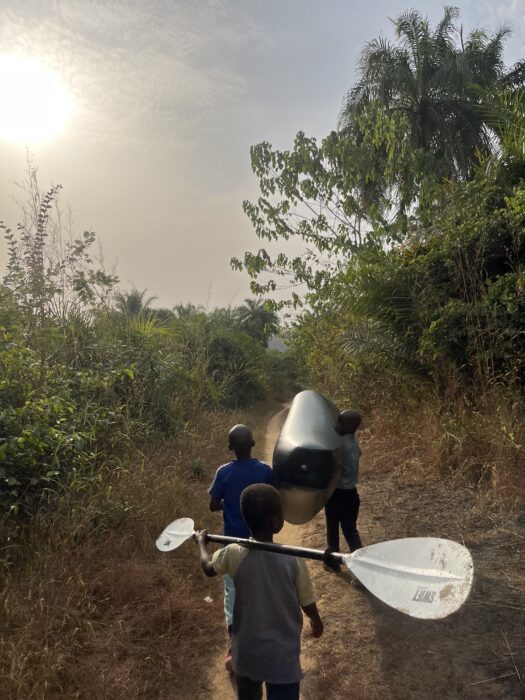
x: 230, y: 481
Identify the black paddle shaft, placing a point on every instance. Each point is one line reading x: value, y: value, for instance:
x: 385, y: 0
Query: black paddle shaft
x: 318, y: 554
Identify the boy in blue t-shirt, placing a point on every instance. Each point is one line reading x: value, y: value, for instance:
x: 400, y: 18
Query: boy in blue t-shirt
x: 225, y: 494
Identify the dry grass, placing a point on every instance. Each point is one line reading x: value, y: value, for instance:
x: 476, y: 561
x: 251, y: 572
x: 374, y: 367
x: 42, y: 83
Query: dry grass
x: 408, y: 488
x: 91, y: 609
x: 483, y: 450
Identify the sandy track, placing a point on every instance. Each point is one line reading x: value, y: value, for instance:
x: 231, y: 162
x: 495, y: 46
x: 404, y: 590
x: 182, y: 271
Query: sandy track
x: 219, y: 683
x: 371, y: 652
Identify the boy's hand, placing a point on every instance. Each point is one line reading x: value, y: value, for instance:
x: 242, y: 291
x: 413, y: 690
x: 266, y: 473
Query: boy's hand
x: 316, y: 624
x: 316, y: 627
x: 201, y: 537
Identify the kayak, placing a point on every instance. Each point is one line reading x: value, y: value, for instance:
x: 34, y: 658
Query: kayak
x: 307, y: 457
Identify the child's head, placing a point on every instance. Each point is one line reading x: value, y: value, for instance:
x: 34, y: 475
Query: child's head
x: 262, y: 509
x: 347, y: 422
x: 240, y: 441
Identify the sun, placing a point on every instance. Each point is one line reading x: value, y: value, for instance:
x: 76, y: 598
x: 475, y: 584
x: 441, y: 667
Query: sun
x: 35, y: 102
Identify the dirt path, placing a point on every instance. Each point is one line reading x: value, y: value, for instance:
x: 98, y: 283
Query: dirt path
x: 219, y: 681
x: 371, y: 652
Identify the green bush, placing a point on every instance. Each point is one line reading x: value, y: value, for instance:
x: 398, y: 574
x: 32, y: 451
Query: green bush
x: 86, y: 377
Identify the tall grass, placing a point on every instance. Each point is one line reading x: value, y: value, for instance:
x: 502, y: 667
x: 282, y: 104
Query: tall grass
x: 482, y: 449
x: 90, y: 608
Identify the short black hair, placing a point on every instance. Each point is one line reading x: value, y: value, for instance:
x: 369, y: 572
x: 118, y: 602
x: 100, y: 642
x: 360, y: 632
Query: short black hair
x: 259, y: 504
x: 240, y: 438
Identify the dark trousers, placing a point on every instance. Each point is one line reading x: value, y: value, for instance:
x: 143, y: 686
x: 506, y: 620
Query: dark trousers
x: 252, y: 690
x: 342, y: 510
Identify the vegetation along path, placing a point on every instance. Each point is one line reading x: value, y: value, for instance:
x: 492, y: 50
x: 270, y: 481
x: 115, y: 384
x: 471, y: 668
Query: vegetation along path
x: 370, y: 651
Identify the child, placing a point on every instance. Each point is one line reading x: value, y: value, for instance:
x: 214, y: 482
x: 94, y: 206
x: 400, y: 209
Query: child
x: 225, y: 493
x: 270, y: 591
x: 343, y: 506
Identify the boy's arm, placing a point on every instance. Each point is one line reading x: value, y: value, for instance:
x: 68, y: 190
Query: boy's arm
x: 215, y: 504
x: 306, y: 596
x: 216, y: 492
x: 201, y: 538
x: 316, y: 624
x: 270, y: 478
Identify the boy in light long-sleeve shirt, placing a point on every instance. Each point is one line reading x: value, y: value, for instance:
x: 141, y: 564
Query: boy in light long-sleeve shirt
x: 342, y: 509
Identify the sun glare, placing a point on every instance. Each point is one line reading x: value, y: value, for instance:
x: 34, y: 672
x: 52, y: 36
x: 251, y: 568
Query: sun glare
x: 35, y: 102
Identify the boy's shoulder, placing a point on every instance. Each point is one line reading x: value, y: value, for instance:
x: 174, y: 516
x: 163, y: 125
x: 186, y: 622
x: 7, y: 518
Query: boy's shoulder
x: 233, y: 475
x: 258, y: 463
x: 225, y: 467
x: 252, y: 463
x: 260, y: 471
x: 233, y: 549
x: 226, y: 560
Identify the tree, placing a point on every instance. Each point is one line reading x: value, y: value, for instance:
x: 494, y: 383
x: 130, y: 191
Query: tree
x: 50, y: 272
x: 314, y: 192
x: 187, y: 311
x: 257, y: 320
x: 437, y: 84
x: 224, y: 317
x: 416, y: 118
x: 133, y: 303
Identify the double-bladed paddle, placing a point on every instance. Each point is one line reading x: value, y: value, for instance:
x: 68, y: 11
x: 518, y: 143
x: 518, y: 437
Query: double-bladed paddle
x: 424, y: 577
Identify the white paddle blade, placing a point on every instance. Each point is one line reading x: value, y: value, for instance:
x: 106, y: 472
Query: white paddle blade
x: 423, y: 577
x: 175, y: 534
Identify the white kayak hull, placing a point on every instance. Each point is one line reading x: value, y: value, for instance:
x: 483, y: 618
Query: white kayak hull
x: 307, y: 457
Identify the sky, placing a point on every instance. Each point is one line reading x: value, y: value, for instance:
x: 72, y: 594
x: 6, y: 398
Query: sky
x: 168, y: 96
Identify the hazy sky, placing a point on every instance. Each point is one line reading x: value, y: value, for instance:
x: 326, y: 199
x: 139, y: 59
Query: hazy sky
x: 169, y: 95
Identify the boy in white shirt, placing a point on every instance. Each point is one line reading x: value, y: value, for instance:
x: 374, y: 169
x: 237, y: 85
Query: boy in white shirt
x: 342, y: 509
x: 270, y: 591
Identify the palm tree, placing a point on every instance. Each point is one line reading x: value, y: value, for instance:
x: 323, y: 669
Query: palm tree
x: 187, y: 311
x: 505, y: 115
x: 257, y: 320
x: 436, y: 83
x: 133, y: 303
x: 225, y: 317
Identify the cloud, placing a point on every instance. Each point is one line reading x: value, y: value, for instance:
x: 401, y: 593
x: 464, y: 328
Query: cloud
x: 510, y: 12
x: 136, y: 67
x: 506, y: 12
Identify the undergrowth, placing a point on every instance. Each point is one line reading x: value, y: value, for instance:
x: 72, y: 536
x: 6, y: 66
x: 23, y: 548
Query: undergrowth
x: 482, y: 449
x: 90, y: 608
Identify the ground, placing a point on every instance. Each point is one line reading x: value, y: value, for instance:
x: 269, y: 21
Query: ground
x: 369, y: 651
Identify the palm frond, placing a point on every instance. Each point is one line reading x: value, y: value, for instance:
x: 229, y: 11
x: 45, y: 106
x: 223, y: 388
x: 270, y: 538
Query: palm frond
x: 147, y: 325
x: 371, y: 340
x: 446, y: 28
x: 413, y: 31
x: 504, y: 112
x: 515, y: 76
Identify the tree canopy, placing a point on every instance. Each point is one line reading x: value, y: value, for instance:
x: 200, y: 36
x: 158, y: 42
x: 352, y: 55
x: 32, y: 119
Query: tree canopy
x: 422, y: 113
x: 436, y: 78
